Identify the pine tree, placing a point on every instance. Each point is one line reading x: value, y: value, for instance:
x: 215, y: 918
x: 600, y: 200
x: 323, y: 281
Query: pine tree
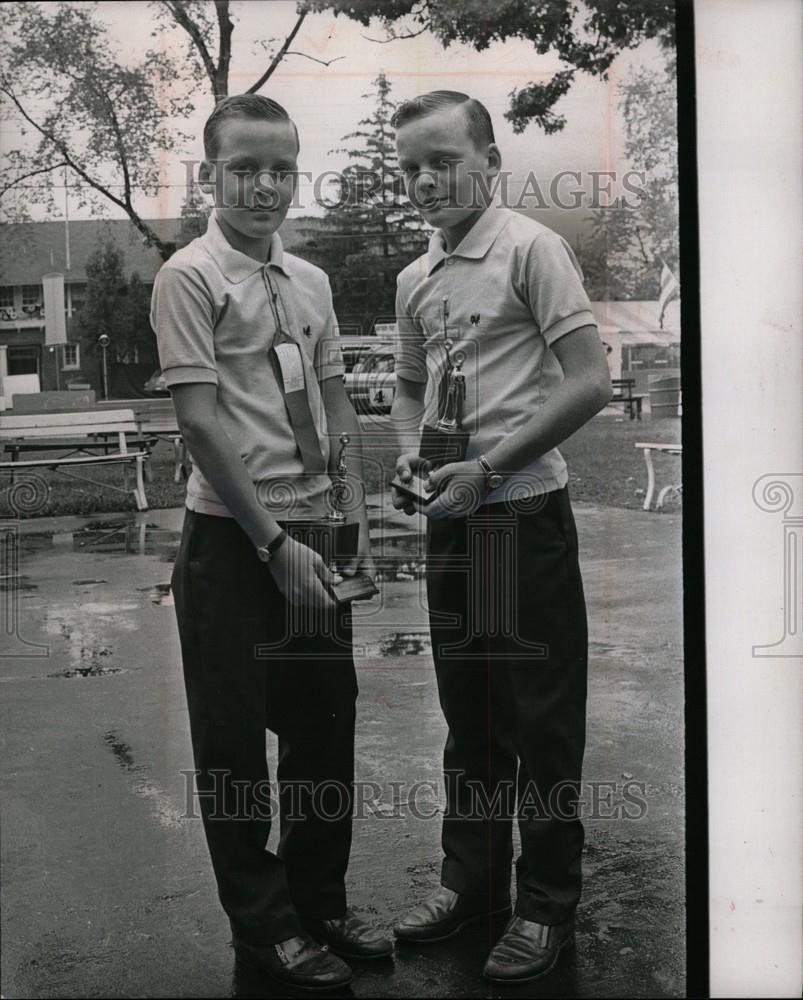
x: 370, y: 229
x: 195, y: 212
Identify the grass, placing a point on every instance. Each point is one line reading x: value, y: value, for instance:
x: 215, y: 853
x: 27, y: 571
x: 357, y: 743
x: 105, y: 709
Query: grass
x: 604, y: 468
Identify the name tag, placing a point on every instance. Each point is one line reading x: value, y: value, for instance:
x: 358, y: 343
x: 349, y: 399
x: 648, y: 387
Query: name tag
x: 291, y: 365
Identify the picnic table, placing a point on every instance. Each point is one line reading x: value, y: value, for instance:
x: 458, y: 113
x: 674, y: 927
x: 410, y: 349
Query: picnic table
x: 623, y: 393
x: 77, y: 438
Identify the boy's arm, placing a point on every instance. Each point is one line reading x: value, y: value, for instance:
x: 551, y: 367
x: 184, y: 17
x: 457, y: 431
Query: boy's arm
x: 341, y: 418
x: 584, y: 391
x: 549, y: 280
x: 407, y: 411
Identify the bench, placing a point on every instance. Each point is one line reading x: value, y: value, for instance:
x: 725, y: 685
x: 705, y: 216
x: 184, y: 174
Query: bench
x: 156, y: 420
x: 665, y: 449
x: 78, y: 435
x: 623, y: 393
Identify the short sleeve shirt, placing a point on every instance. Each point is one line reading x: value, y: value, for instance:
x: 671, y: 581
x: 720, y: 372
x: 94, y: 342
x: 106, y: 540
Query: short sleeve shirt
x: 215, y: 322
x: 504, y: 296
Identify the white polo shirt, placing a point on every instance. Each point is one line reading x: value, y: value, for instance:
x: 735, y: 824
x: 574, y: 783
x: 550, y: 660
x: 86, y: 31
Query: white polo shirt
x: 512, y: 289
x: 212, y: 314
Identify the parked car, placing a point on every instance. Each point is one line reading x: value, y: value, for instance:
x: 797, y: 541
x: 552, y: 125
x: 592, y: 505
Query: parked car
x: 371, y: 384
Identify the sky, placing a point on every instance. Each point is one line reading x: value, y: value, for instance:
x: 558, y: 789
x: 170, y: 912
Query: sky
x: 326, y: 101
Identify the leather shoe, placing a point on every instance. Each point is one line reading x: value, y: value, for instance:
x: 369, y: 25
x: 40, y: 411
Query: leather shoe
x: 350, y: 936
x: 299, y: 962
x: 443, y: 914
x: 528, y: 950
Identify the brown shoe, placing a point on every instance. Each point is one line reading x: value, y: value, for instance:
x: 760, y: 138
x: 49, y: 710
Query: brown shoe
x: 351, y: 937
x: 444, y: 914
x: 528, y: 950
x: 299, y: 962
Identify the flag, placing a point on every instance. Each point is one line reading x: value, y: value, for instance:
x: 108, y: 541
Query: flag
x: 53, y: 294
x: 670, y: 289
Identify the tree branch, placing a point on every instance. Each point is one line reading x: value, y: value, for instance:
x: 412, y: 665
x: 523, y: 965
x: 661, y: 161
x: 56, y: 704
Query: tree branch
x: 323, y: 62
x: 225, y: 29
x: 61, y: 146
x: 393, y: 37
x: 31, y: 173
x: 181, y: 18
x: 279, y: 55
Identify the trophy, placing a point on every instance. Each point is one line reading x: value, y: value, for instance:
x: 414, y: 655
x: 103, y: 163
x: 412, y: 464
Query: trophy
x: 334, y: 538
x: 447, y: 441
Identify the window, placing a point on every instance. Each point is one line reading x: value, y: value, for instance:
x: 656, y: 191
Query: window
x: 7, y: 297
x: 23, y: 360
x: 127, y: 355
x: 31, y: 295
x: 72, y: 356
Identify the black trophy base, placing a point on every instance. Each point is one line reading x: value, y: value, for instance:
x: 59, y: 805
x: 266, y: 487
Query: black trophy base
x: 438, y: 448
x: 415, y: 489
x: 359, y: 587
x: 336, y: 543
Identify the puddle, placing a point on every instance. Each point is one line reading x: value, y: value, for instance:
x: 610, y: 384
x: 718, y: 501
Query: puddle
x: 16, y: 584
x: 160, y: 595
x: 163, y: 811
x: 119, y: 537
x: 95, y: 669
x: 87, y: 583
x: 400, y: 644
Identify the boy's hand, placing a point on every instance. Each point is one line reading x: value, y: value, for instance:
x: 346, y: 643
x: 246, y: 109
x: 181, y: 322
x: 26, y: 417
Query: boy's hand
x: 407, y: 466
x: 301, y: 575
x: 462, y: 490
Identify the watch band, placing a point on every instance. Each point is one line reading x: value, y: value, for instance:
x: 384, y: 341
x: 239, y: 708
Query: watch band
x: 277, y: 542
x: 493, y: 479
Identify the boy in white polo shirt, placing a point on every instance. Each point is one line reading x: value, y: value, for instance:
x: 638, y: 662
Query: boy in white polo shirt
x: 247, y: 341
x: 506, y: 605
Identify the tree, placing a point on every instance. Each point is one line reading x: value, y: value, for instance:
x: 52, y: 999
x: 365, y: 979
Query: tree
x: 622, y: 257
x: 370, y: 230
x: 195, y: 212
x: 116, y: 307
x: 587, y: 37
x: 105, y: 118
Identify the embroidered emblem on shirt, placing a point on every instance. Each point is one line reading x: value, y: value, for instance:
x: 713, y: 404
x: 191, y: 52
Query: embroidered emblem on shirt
x: 475, y: 319
x: 306, y: 331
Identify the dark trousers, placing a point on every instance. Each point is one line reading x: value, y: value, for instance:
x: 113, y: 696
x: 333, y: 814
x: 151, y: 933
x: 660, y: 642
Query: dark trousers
x: 230, y: 613
x: 509, y: 638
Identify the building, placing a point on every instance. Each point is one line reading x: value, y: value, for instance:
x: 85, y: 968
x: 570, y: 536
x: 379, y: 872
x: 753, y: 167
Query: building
x: 30, y: 250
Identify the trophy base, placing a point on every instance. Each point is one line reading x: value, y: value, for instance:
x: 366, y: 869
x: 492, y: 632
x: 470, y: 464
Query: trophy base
x: 414, y: 489
x: 335, y: 542
x: 354, y: 588
x: 438, y: 448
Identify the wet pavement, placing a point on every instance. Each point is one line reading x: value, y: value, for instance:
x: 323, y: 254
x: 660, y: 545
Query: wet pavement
x: 107, y: 887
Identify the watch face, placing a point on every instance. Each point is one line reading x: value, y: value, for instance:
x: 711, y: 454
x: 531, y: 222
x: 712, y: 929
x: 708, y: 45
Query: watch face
x: 494, y: 480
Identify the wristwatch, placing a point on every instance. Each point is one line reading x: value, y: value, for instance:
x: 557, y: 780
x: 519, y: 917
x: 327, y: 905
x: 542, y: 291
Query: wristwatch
x: 266, y: 552
x: 493, y: 479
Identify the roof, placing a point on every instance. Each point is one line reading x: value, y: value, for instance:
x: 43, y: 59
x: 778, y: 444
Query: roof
x: 29, y: 250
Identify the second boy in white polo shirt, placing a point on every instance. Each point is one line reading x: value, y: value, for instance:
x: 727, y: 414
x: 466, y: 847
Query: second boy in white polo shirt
x: 506, y: 605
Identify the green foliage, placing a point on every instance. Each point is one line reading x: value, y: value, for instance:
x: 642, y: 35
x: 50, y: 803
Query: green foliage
x: 621, y: 259
x: 587, y: 37
x: 116, y: 307
x: 370, y: 230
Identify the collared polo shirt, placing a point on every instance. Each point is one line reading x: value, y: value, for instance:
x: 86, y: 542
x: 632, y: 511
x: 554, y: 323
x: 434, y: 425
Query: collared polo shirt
x: 511, y: 289
x: 215, y: 322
